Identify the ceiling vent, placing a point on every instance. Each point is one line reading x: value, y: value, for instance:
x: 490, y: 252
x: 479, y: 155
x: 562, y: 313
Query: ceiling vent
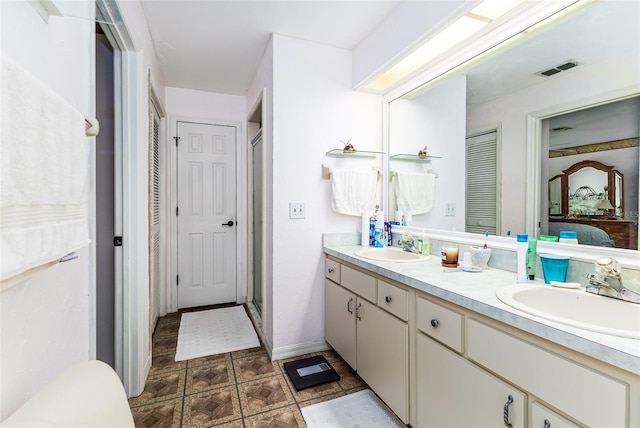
x: 557, y: 68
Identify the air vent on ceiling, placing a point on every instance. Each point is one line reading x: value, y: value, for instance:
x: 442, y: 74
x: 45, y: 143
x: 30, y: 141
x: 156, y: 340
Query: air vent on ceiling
x: 557, y: 68
x: 561, y: 128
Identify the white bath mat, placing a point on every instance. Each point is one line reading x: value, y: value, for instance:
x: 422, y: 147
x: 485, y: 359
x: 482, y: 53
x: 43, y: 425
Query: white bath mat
x: 362, y: 409
x: 215, y: 332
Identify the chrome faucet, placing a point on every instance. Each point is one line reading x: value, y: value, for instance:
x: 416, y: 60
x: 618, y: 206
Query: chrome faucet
x: 607, y: 282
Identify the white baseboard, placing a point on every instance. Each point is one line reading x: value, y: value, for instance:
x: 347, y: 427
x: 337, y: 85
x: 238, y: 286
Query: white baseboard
x: 299, y: 349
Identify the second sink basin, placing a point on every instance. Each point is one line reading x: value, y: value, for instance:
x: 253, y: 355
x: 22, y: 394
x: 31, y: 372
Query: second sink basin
x: 575, y: 307
x: 389, y: 254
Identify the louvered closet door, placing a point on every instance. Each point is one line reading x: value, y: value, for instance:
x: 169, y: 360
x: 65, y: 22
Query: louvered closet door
x: 482, y: 184
x: 154, y: 214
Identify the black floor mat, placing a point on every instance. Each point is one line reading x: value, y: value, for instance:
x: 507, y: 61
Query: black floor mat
x: 309, y: 372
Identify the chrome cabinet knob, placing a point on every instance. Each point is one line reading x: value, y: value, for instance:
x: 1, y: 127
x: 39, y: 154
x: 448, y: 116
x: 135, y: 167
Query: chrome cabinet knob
x: 330, y: 270
x: 435, y: 323
x: 387, y: 299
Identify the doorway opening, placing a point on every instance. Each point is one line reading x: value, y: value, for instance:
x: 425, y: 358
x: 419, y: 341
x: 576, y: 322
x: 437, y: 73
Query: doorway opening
x: 105, y: 202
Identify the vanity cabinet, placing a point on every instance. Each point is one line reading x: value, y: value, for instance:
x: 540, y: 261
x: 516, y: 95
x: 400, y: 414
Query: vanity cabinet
x: 560, y: 382
x: 437, y: 364
x: 467, y: 366
x: 452, y: 391
x: 366, y: 323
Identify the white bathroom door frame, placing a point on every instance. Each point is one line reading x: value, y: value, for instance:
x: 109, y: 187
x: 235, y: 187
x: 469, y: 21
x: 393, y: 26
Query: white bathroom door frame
x: 241, y: 208
x: 132, y: 341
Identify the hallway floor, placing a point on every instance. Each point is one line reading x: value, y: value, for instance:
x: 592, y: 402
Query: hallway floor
x: 241, y: 389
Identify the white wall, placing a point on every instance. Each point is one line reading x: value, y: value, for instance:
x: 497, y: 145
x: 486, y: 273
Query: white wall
x: 575, y: 87
x: 435, y: 119
x: 313, y: 109
x: 205, y: 105
x: 47, y: 322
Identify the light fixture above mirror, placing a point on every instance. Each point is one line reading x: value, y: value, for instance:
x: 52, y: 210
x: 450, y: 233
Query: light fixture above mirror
x: 474, y: 32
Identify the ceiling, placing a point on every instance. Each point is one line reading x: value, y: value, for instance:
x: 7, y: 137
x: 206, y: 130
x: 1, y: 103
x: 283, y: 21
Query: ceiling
x: 216, y: 45
x: 602, y: 32
x: 598, y: 33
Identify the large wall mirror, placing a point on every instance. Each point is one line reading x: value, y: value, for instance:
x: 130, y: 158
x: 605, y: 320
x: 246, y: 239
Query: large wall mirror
x: 585, y: 64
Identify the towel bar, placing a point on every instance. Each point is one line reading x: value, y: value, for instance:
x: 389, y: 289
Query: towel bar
x: 326, y: 171
x: 68, y: 257
x: 91, y: 126
x: 429, y: 171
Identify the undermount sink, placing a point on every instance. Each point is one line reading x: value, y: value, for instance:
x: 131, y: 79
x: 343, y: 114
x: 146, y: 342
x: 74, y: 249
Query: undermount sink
x: 390, y: 254
x: 575, y: 307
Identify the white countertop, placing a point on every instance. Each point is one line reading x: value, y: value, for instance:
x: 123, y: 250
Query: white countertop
x: 476, y: 292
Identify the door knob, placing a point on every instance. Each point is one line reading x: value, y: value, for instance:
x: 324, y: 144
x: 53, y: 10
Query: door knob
x: 229, y: 223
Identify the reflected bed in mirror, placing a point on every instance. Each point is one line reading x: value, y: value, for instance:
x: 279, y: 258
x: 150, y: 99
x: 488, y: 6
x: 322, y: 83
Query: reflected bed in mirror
x: 593, y: 160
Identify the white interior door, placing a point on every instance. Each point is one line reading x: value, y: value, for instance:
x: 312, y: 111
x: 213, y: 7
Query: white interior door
x: 206, y: 214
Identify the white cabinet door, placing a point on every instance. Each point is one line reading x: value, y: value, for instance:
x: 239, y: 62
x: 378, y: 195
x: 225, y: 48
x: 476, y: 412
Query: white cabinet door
x: 339, y: 321
x: 383, y: 356
x: 453, y: 392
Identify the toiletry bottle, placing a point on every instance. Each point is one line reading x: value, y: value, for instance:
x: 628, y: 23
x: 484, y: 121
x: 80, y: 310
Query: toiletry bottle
x: 387, y: 231
x: 380, y: 238
x: 531, y: 258
x: 419, y: 244
x: 425, y: 246
x: 568, y: 237
x: 372, y: 231
x: 522, y: 245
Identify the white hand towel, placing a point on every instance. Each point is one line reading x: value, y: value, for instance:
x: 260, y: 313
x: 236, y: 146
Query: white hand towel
x: 43, y: 172
x: 415, y: 192
x: 353, y: 192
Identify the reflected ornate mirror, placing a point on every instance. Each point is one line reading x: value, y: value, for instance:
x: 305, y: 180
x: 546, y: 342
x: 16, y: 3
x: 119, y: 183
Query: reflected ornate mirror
x: 587, y: 198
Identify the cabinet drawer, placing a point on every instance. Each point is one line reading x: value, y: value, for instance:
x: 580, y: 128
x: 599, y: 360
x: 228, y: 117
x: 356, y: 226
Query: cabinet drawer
x: 560, y: 382
x: 360, y: 283
x: 393, y: 300
x: 332, y: 270
x: 541, y: 417
x: 441, y: 323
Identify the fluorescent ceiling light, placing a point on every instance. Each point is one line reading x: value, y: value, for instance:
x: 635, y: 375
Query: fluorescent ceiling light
x: 458, y: 31
x: 494, y: 9
x: 462, y: 28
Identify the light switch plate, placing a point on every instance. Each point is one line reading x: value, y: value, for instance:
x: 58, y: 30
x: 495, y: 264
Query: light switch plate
x: 450, y: 209
x: 297, y: 210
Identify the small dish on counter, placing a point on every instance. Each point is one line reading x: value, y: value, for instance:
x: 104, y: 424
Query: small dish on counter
x: 471, y: 268
x: 564, y: 284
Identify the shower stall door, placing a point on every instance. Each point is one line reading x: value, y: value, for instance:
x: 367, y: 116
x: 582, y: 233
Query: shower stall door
x: 258, y: 218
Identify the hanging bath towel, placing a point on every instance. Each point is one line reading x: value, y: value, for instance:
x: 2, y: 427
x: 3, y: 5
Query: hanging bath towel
x: 415, y: 192
x: 353, y: 191
x: 44, y: 175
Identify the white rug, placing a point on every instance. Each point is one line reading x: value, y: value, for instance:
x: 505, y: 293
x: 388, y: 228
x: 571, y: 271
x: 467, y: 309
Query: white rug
x: 215, y: 332
x: 362, y: 409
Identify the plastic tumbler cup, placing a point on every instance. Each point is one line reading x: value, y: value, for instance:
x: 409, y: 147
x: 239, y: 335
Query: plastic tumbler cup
x: 554, y: 268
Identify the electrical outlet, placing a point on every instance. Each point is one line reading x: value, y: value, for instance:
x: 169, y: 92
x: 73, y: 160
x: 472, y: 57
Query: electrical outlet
x: 297, y: 210
x: 450, y: 209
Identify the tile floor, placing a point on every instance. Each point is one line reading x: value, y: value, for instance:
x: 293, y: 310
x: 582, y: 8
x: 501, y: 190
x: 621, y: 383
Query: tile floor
x: 242, y: 389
